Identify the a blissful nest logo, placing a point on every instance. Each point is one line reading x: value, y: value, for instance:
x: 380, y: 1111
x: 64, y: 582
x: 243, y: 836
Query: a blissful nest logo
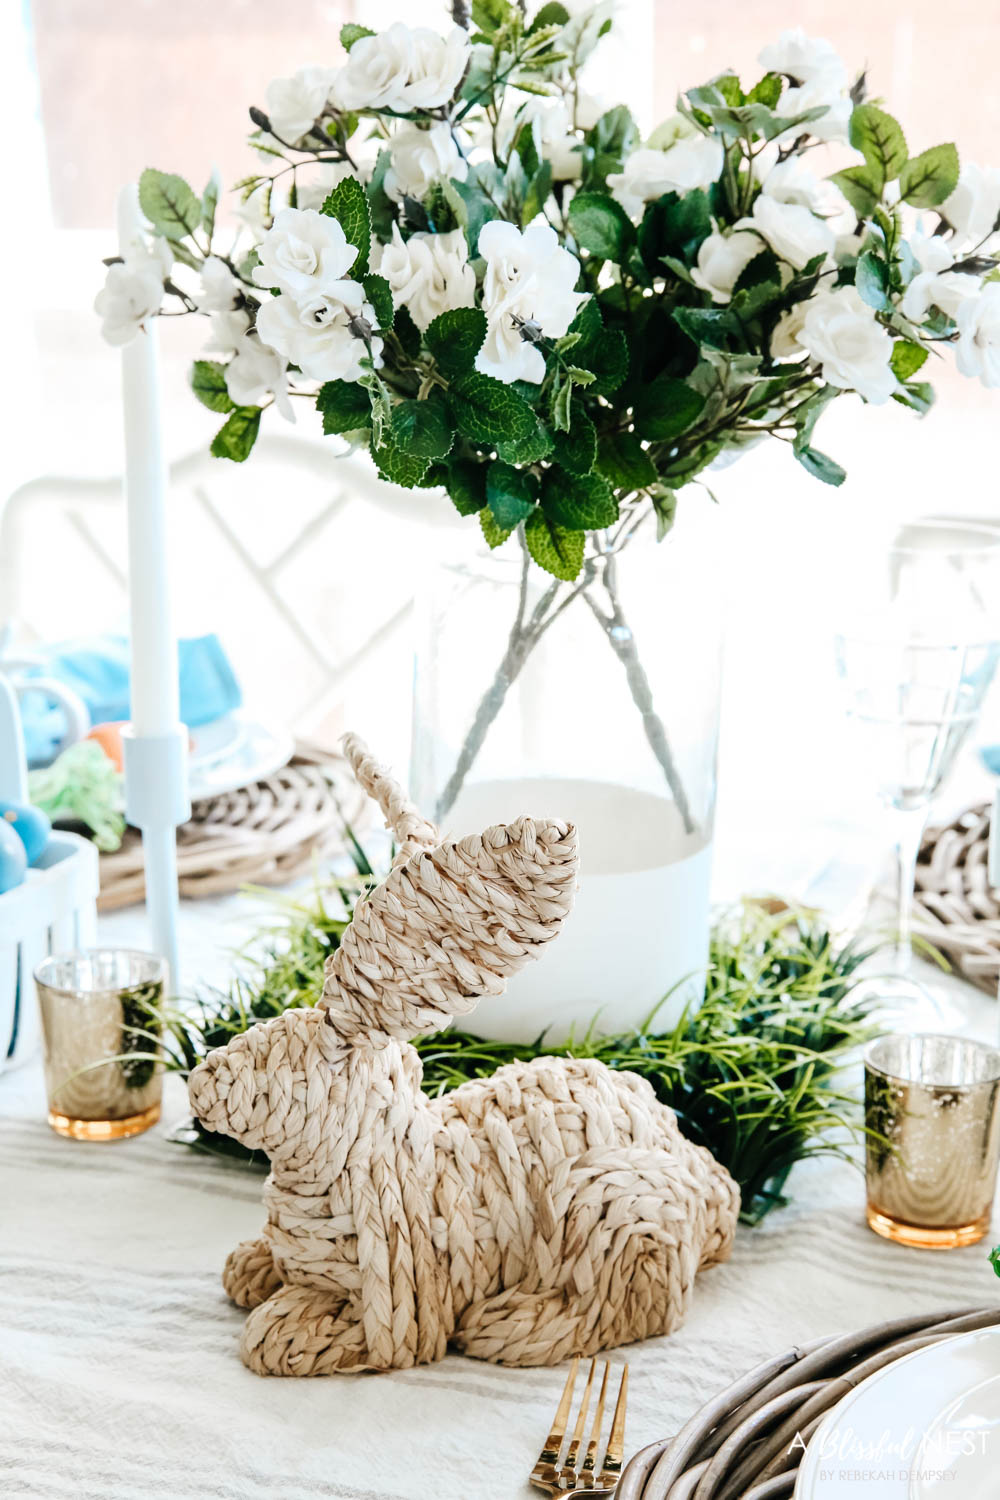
x: 891, y: 1456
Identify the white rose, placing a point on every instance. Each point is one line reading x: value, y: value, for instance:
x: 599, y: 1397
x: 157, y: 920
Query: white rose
x: 529, y: 278
x: 314, y: 333
x: 226, y: 328
x: 133, y: 290
x: 303, y: 253
x: 314, y: 193
x: 803, y: 58
x: 853, y: 351
x: 429, y: 273
x: 785, y: 338
x: 257, y: 372
x: 694, y: 161
x: 823, y: 92
x: 978, y: 351
x: 295, y: 104
x: 219, y: 287
x: 420, y: 158
x: 669, y: 131
x: 793, y: 232
x: 721, y: 258
x: 255, y: 213
x: 974, y: 206
x: 790, y: 181
x: 935, y: 284
x: 403, y: 69
x: 553, y: 129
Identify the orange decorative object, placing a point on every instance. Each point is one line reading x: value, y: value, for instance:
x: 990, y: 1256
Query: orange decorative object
x: 109, y: 737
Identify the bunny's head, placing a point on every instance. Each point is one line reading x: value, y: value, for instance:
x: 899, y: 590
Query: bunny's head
x: 450, y: 924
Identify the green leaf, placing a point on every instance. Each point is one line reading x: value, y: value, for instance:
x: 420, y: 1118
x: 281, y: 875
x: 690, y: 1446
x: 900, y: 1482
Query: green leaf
x: 209, y: 205
x: 579, y: 502
x: 552, y: 14
x: 479, y: 209
x: 871, y: 277
x: 466, y: 484
x: 674, y: 228
x: 602, y: 351
x: 665, y: 509
x: 562, y: 405
x: 880, y: 140
x: 533, y: 448
x: 624, y: 462
x: 930, y: 178
x: 509, y: 495
x: 490, y: 15
x: 381, y: 207
x: 728, y: 86
x: 714, y: 326
x: 236, y: 437
x: 397, y: 466
x: 493, y: 532
x: 352, y: 33
x: 455, y: 338
x: 665, y: 408
x: 906, y: 358
x: 576, y: 450
x: 861, y: 187
x: 820, y: 466
x: 169, y: 203
x: 558, y: 551
x: 345, y: 406
x: 488, y: 411
x: 348, y: 204
x: 423, y: 428
x: 536, y: 193
x: 208, y: 381
x: 407, y: 332
x: 768, y: 91
x: 809, y: 414
x: 600, y: 224
x: 917, y: 395
x: 379, y: 294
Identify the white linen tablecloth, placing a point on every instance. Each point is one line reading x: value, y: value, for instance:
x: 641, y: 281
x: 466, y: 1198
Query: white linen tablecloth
x: 120, y: 1377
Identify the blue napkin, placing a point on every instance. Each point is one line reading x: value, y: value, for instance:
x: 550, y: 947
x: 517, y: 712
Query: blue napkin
x: 98, y: 671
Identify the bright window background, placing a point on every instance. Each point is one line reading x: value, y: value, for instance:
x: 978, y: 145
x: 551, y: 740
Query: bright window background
x: 98, y: 89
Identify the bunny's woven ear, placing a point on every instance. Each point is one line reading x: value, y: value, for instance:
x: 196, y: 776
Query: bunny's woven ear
x: 449, y: 925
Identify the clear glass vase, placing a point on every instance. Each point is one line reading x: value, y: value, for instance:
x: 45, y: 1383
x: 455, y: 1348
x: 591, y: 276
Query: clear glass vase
x: 595, y: 701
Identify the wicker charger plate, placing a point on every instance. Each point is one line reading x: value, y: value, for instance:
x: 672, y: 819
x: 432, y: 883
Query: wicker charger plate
x: 954, y: 907
x: 263, y: 834
x: 741, y: 1445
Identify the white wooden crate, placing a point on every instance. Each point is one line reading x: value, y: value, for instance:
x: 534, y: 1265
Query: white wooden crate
x: 54, y: 910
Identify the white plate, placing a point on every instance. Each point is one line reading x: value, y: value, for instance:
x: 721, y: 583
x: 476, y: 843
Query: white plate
x: 965, y: 1441
x: 905, y: 1424
x: 214, y: 742
x: 240, y: 753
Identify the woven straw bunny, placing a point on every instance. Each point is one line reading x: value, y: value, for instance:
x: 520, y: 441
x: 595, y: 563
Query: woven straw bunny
x: 552, y: 1209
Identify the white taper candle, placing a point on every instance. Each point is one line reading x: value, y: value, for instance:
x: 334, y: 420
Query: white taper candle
x: 155, y: 704
x: 156, y: 798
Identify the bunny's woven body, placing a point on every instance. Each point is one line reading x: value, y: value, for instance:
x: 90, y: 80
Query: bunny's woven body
x: 551, y: 1209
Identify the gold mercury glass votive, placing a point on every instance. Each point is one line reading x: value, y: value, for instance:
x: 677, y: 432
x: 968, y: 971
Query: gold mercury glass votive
x: 100, y: 1023
x: 932, y: 1112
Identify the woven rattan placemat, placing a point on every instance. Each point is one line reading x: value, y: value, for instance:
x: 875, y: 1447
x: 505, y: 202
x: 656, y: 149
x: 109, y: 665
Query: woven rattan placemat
x: 954, y: 906
x: 266, y: 833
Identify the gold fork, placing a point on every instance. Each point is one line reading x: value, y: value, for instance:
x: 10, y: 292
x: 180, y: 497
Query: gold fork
x: 567, y: 1479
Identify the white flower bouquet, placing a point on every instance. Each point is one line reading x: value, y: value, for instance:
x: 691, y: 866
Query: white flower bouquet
x: 477, y: 272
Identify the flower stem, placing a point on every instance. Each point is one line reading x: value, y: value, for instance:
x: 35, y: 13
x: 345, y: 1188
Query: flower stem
x: 525, y: 634
x: 622, y: 642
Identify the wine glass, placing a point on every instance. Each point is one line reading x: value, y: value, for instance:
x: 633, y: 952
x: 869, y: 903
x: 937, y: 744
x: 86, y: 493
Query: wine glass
x: 916, y: 654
